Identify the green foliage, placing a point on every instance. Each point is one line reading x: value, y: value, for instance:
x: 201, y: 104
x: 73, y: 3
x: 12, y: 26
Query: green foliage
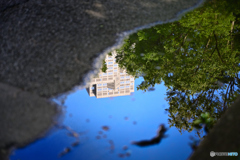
x: 195, y: 57
x: 206, y: 120
x: 185, y: 108
x: 104, y: 66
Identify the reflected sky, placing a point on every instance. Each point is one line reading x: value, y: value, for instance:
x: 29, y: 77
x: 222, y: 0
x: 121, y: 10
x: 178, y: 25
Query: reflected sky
x: 129, y: 118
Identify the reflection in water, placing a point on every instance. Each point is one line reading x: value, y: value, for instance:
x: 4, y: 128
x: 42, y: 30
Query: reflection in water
x: 157, y: 139
x: 196, y: 57
x: 111, y: 83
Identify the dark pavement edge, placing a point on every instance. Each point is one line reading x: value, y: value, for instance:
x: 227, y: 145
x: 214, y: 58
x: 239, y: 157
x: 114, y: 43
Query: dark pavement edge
x: 224, y: 137
x: 24, y: 117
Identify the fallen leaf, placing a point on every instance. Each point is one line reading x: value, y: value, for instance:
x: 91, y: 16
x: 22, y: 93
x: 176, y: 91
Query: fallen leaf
x: 121, y: 155
x: 128, y: 153
x: 73, y: 134
x: 75, y: 143
x: 105, y: 128
x: 65, y: 151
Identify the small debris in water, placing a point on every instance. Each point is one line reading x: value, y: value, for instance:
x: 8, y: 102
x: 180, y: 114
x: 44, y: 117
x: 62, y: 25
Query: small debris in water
x: 128, y: 153
x: 75, y: 144
x: 70, y: 115
x: 67, y: 128
x: 125, y: 147
x: 134, y: 122
x: 65, y: 151
x: 87, y: 120
x: 105, y: 128
x: 100, y: 132
x: 157, y: 139
x: 74, y: 134
x: 121, y: 155
x: 126, y: 118
x: 98, y: 137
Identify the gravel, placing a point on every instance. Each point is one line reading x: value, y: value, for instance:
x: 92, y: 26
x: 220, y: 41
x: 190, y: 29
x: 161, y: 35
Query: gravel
x: 47, y: 47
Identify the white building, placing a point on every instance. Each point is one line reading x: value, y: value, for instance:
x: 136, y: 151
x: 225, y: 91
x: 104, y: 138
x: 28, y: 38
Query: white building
x: 115, y: 82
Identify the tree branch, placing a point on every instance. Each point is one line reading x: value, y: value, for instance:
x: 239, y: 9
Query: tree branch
x: 231, y: 33
x: 212, y: 52
x: 217, y: 48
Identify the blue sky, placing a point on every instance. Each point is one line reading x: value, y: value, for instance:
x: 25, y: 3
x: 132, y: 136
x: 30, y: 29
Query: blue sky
x: 146, y: 109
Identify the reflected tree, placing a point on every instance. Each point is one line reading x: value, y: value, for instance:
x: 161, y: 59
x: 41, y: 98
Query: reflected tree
x: 196, y: 57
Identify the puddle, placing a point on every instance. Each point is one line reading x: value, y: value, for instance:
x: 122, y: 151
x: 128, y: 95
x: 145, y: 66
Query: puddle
x: 105, y: 128
x: 180, y: 75
x: 103, y: 120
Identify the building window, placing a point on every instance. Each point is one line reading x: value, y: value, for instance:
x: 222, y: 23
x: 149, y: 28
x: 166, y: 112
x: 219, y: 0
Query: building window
x: 104, y: 84
x: 99, y: 89
x: 104, y: 89
x: 121, y: 82
x: 115, y: 70
x: 127, y: 77
x: 110, y: 73
x: 109, y: 89
x: 110, y: 67
x: 92, y: 88
x: 104, y: 74
x: 127, y: 81
x: 115, y: 65
x: 99, y: 85
x: 122, y: 77
x: 121, y: 86
x: 110, y: 62
x: 127, y: 86
x: 132, y: 78
x: 131, y: 83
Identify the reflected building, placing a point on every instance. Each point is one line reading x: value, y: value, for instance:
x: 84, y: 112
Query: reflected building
x: 115, y: 82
